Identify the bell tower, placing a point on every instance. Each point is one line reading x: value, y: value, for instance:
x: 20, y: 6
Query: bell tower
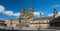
x: 31, y: 11
x: 21, y: 15
x: 55, y: 13
x: 40, y: 14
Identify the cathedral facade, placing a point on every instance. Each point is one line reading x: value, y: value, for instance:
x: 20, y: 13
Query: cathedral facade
x: 27, y: 19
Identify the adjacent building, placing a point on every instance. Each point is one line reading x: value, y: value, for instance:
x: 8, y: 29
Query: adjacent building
x: 2, y: 24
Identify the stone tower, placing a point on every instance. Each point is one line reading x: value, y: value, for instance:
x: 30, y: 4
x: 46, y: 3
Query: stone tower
x: 21, y: 15
x: 40, y: 14
x: 31, y: 11
x: 55, y: 13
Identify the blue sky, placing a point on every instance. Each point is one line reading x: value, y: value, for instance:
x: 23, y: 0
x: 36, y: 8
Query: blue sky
x: 12, y: 8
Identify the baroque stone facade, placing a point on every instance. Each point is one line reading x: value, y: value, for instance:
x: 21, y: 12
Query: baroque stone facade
x: 27, y: 19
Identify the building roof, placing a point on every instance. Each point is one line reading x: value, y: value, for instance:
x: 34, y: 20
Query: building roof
x: 2, y: 21
x: 50, y: 17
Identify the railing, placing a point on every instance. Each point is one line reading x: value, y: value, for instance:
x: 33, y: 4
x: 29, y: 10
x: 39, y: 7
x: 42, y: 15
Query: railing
x: 54, y: 28
x: 29, y: 28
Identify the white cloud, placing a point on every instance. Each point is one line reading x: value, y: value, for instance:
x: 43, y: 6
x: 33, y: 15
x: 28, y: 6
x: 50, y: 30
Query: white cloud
x: 2, y: 8
x: 55, y: 6
x: 8, y: 12
x: 16, y: 14
x: 50, y: 14
x: 11, y: 13
x: 58, y: 12
x: 53, y: 14
x: 37, y: 14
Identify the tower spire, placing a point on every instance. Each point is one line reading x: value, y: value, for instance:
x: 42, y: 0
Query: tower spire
x: 23, y: 9
x: 31, y: 8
